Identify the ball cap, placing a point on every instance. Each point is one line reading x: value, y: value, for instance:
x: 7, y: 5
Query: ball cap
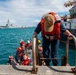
x: 22, y: 42
x: 49, y: 22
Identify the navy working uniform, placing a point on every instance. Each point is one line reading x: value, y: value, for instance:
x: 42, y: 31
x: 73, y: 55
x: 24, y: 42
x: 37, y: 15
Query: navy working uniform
x: 50, y: 50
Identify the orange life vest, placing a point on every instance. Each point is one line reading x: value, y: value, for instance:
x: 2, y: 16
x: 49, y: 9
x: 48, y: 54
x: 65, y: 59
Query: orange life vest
x: 25, y: 62
x: 56, y: 30
x: 20, y: 50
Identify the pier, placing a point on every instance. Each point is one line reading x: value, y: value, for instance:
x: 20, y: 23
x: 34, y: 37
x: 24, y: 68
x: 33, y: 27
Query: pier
x: 42, y: 70
x: 37, y: 69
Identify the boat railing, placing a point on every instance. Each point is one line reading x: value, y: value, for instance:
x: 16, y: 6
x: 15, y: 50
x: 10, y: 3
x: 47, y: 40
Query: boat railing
x: 35, y: 54
x: 67, y: 47
x: 67, y: 50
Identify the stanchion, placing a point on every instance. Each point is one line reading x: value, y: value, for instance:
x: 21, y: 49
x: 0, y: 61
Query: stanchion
x: 34, y: 55
x: 74, y: 69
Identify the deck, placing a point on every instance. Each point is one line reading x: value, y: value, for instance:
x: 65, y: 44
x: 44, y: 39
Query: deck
x: 42, y: 70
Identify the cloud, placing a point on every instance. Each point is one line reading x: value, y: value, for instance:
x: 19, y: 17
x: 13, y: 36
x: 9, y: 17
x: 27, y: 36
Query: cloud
x: 28, y: 12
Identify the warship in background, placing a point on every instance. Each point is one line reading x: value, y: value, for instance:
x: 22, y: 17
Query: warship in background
x: 8, y: 25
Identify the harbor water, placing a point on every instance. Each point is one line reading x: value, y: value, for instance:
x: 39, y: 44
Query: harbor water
x: 10, y: 39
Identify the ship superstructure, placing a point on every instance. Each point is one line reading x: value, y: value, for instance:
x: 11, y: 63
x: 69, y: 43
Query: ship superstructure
x: 71, y: 22
x: 8, y: 25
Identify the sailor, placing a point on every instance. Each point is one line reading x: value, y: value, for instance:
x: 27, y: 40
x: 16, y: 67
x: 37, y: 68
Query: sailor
x: 26, y: 60
x: 28, y: 45
x: 50, y: 26
x: 40, y: 49
x: 11, y: 58
x: 19, y: 52
x: 39, y: 42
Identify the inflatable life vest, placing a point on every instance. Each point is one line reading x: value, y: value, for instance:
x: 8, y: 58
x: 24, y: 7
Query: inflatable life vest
x: 20, y: 50
x: 26, y: 62
x: 56, y: 31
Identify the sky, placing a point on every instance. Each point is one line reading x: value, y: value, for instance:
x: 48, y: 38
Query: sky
x: 29, y: 12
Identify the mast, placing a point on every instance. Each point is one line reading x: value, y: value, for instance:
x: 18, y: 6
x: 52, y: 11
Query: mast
x: 7, y: 25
